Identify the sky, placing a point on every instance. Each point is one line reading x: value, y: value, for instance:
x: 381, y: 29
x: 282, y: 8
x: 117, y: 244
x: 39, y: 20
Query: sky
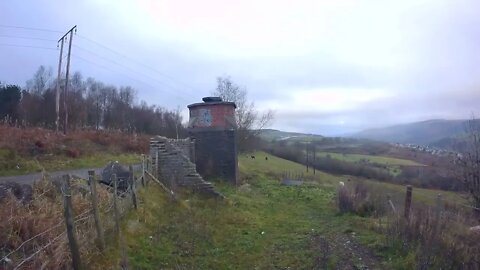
x: 324, y: 67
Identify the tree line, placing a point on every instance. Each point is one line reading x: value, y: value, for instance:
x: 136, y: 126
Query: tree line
x: 90, y: 104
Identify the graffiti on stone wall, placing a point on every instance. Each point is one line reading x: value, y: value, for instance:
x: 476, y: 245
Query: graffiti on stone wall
x: 205, y: 117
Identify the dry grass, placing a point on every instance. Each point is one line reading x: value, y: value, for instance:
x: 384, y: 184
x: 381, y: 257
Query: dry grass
x: 435, y: 239
x: 26, y: 228
x: 28, y: 142
x: 356, y: 197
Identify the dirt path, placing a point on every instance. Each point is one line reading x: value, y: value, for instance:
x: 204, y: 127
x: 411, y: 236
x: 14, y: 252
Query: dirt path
x: 30, y: 178
x: 348, y: 254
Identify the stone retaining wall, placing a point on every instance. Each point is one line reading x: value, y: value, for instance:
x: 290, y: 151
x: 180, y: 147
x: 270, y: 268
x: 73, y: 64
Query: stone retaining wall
x: 171, y: 162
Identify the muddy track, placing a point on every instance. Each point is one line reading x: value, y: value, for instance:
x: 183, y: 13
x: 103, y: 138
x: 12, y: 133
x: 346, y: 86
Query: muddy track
x: 348, y: 253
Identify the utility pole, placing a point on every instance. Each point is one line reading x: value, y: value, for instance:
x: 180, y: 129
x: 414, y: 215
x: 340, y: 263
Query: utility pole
x: 65, y: 90
x: 57, y: 97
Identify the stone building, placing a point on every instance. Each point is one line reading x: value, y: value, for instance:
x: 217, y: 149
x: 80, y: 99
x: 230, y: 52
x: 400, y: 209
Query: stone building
x: 212, y: 126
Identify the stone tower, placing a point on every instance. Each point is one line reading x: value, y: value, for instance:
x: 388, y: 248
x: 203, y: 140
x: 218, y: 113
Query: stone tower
x: 213, y: 127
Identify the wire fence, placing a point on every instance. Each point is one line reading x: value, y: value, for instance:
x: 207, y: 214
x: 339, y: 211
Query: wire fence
x: 108, y: 202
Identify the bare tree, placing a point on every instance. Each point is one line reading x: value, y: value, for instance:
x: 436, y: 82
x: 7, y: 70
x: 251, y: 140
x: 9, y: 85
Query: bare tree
x: 249, y: 120
x: 40, y: 81
x: 469, y: 161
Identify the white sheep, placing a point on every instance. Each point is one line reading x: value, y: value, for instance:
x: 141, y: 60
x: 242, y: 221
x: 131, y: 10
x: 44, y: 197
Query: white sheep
x: 341, y: 183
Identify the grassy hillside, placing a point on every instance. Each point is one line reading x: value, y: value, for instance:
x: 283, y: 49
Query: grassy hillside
x: 370, y: 158
x: 29, y: 150
x: 422, y: 133
x: 273, y: 135
x: 262, y: 225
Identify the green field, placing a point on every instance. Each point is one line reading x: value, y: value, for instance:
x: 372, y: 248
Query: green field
x: 369, y: 158
x: 262, y: 225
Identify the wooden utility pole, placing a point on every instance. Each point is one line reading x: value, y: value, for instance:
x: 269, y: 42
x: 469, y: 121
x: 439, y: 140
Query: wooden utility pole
x: 65, y: 90
x: 98, y: 225
x: 57, y: 95
x: 70, y: 224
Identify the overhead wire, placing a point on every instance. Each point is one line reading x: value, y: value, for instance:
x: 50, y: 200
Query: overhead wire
x: 174, y: 89
x: 127, y: 68
x: 127, y: 76
x: 30, y: 28
x: 135, y: 61
x: 22, y: 37
x: 27, y: 46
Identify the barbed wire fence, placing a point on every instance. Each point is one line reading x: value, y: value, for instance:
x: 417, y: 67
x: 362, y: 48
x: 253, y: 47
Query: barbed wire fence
x: 82, y: 231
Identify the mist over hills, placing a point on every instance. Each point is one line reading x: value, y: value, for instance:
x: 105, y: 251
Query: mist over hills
x: 273, y: 135
x: 437, y: 133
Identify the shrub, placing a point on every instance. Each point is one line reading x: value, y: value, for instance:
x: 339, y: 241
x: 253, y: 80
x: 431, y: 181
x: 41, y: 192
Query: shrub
x: 435, y: 240
x: 356, y: 198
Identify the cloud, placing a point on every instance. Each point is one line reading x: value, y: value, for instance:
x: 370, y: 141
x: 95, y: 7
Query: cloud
x: 324, y: 66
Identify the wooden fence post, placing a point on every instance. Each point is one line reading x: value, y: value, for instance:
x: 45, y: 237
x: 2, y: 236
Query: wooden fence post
x: 124, y: 262
x: 70, y: 224
x: 132, y: 187
x: 156, y: 162
x: 115, y: 204
x: 408, y: 202
x: 98, y: 225
x: 143, y: 170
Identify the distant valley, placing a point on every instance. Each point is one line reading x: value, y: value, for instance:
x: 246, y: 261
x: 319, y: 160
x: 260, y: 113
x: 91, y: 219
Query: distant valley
x: 446, y: 134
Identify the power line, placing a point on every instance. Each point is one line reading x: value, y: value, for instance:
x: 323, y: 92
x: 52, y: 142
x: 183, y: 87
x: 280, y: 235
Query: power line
x: 135, y: 61
x: 33, y: 38
x: 27, y: 46
x: 131, y: 78
x: 30, y: 28
x: 105, y: 47
x: 130, y: 69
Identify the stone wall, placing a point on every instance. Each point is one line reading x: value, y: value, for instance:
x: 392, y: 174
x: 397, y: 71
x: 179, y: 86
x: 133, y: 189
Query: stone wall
x: 171, y: 162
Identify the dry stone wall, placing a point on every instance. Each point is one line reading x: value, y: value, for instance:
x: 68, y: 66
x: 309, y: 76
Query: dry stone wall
x: 172, y: 162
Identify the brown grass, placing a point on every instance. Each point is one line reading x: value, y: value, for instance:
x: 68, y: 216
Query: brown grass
x: 28, y: 142
x: 42, y: 219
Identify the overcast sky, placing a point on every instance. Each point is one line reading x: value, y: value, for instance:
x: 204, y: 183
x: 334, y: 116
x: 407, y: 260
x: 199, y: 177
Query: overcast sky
x: 327, y: 67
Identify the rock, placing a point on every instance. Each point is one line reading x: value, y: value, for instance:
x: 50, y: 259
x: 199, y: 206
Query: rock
x: 21, y: 192
x: 122, y: 174
x: 475, y: 229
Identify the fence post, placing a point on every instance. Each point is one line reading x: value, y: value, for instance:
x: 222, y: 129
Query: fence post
x: 115, y: 204
x: 143, y: 170
x: 98, y: 225
x: 156, y: 162
x: 68, y: 209
x: 408, y: 201
x: 132, y: 187
x: 124, y: 262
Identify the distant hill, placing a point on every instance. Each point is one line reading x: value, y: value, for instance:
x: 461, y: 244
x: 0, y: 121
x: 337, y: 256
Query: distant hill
x: 440, y: 133
x: 276, y: 135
